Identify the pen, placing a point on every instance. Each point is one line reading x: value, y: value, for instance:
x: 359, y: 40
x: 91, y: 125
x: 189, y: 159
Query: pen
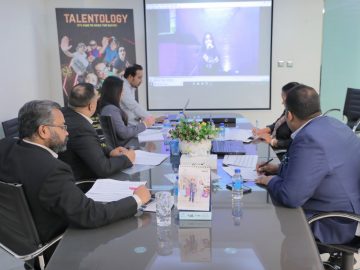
x: 266, y: 163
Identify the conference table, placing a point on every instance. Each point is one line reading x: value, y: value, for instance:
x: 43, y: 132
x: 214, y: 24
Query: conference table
x: 265, y: 236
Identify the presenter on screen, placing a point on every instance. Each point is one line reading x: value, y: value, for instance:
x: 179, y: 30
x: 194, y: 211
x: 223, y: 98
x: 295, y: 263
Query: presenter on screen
x: 278, y: 133
x: 210, y: 59
x: 132, y: 79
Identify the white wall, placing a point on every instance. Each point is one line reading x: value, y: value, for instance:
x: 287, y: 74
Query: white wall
x: 30, y: 54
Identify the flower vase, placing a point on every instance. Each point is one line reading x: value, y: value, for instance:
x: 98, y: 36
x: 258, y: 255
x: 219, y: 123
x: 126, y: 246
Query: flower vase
x: 201, y: 148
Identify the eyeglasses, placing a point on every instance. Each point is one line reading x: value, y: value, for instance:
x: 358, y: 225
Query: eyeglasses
x: 63, y: 127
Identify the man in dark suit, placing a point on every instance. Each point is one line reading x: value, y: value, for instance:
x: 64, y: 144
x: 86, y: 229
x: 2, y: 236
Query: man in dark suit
x: 54, y: 199
x: 85, y: 154
x: 321, y: 171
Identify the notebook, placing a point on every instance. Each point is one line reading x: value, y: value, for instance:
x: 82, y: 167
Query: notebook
x: 228, y: 148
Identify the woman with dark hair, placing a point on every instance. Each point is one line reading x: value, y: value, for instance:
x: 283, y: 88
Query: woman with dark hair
x: 111, y: 92
x: 210, y: 59
x: 278, y: 133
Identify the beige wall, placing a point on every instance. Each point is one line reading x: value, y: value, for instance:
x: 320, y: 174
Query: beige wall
x: 30, y: 55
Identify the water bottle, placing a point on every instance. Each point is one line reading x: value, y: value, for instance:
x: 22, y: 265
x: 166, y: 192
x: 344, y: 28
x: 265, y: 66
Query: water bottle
x: 176, y: 191
x: 165, y: 130
x: 222, y: 130
x: 237, y: 188
x: 237, y: 194
x: 180, y: 116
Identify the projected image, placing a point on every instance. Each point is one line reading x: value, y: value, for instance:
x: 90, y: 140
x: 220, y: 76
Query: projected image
x: 199, y: 47
x: 219, y: 43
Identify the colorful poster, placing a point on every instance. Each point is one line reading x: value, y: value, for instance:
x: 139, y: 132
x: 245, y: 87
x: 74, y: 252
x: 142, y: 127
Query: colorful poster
x: 94, y: 44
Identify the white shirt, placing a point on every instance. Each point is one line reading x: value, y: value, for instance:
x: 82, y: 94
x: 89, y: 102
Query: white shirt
x: 130, y: 106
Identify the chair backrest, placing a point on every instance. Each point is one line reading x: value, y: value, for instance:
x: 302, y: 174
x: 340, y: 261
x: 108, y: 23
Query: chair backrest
x: 17, y: 228
x: 352, y: 106
x: 109, y: 130
x: 11, y: 128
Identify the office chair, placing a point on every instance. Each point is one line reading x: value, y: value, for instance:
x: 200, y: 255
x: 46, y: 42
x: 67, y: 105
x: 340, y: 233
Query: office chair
x: 18, y: 234
x: 11, y: 128
x: 347, y: 250
x: 109, y: 130
x: 352, y: 108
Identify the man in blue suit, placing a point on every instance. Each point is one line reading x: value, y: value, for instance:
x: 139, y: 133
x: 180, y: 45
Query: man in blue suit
x: 321, y: 171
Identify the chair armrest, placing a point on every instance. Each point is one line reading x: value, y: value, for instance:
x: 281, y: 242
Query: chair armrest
x: 356, y: 125
x: 351, y: 216
x: 331, y: 110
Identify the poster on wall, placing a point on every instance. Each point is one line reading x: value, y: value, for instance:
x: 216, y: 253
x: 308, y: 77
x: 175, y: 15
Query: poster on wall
x: 94, y: 44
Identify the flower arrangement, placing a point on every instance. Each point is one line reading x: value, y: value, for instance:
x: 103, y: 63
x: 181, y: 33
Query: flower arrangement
x: 194, y: 131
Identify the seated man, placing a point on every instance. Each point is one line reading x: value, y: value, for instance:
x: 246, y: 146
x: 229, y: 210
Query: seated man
x: 49, y: 184
x: 85, y: 154
x: 321, y: 171
x: 132, y: 79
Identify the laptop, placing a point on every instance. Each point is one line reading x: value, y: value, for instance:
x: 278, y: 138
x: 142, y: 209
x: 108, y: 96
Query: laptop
x: 173, y: 117
x: 228, y: 148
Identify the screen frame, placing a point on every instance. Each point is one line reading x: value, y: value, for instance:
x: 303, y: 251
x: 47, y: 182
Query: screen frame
x: 208, y: 109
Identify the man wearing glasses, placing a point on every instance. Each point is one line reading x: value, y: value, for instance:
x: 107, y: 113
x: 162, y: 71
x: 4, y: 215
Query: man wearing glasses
x: 49, y: 184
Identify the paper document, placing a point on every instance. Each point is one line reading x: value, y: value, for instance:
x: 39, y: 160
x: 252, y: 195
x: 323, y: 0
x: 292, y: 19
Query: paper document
x: 237, y: 134
x: 148, y: 158
x: 150, y: 135
x: 108, y: 190
x: 248, y: 161
x: 248, y: 174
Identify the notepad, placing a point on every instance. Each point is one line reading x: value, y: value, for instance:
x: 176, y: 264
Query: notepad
x: 150, y: 135
x: 108, y: 190
x: 148, y: 158
x: 248, y: 161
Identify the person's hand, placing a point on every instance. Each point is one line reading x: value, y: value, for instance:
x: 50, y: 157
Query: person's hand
x: 267, y: 169
x: 149, y: 121
x: 143, y: 193
x: 265, y: 137
x: 263, y: 180
x: 130, y: 154
x: 160, y: 119
x: 259, y: 131
x: 117, y: 151
x: 64, y: 44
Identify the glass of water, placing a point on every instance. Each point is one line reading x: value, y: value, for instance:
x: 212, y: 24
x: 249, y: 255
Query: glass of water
x: 164, y: 203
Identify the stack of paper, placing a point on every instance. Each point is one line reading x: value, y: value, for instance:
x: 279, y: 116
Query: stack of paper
x: 247, y: 174
x: 237, y: 134
x: 108, y: 190
x: 248, y: 161
x: 148, y: 158
x: 150, y: 135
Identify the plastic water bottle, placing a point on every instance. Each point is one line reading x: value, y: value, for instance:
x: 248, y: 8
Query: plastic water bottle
x: 237, y: 185
x: 181, y: 116
x: 237, y: 194
x: 222, y: 130
x: 176, y: 191
x: 165, y: 130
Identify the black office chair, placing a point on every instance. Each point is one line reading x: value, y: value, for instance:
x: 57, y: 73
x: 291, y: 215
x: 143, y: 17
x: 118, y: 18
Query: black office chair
x: 11, y: 128
x: 347, y: 250
x: 352, y: 108
x: 109, y: 130
x: 18, y: 233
